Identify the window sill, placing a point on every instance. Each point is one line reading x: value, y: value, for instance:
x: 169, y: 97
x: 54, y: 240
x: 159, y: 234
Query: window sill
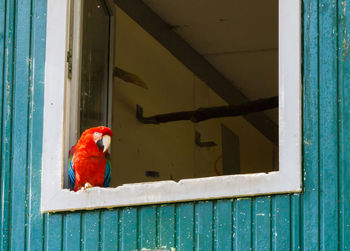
x: 170, y: 191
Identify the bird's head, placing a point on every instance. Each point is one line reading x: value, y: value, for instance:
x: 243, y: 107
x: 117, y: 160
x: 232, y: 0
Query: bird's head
x: 96, y: 140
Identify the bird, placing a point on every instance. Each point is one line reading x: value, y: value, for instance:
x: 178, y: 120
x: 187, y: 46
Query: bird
x: 89, y: 163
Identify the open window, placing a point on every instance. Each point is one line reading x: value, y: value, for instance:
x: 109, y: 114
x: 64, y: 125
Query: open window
x: 89, y: 64
x: 156, y: 162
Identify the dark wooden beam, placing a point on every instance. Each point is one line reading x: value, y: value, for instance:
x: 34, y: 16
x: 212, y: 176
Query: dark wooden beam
x: 162, y: 32
x: 206, y: 113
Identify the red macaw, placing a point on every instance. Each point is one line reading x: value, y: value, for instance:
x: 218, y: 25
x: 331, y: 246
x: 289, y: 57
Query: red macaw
x: 89, y: 163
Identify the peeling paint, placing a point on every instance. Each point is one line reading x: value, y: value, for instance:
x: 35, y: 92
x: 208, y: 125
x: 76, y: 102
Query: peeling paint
x: 158, y: 249
x: 260, y: 214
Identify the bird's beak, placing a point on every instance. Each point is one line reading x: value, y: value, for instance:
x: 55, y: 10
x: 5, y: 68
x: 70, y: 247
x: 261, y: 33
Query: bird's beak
x: 106, y: 141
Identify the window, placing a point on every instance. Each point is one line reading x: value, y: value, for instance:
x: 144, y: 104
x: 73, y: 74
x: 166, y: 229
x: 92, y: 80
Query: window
x: 89, y: 74
x: 59, y: 103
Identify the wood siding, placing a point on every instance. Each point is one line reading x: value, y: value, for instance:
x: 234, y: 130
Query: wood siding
x: 318, y: 219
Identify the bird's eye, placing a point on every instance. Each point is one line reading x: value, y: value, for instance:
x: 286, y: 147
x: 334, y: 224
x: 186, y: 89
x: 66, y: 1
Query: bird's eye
x: 96, y: 133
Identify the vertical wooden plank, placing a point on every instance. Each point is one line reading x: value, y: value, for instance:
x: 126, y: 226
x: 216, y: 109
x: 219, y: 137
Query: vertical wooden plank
x: 204, y: 226
x: 2, y: 54
x: 6, y: 125
x: 109, y: 229
x: 90, y: 231
x: 2, y: 63
x: 328, y: 125
x: 147, y: 227
x: 344, y: 125
x: 128, y: 229
x: 72, y: 231
x: 53, y: 233
x: 20, y: 125
x: 184, y: 226
x: 35, y: 218
x: 261, y: 223
x: 166, y: 226
x: 242, y: 224
x: 223, y: 231
x: 310, y: 200
x: 281, y: 223
x: 295, y: 222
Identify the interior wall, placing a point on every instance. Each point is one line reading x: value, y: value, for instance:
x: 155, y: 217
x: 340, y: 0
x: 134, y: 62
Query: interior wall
x: 169, y: 148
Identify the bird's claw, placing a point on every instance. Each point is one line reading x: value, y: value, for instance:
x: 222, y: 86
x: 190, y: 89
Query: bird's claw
x: 86, y: 186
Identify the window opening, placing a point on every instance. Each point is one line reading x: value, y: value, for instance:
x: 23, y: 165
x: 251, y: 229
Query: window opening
x: 241, y: 40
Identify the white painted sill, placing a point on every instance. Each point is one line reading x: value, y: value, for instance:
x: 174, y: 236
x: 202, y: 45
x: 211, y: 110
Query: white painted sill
x: 286, y: 180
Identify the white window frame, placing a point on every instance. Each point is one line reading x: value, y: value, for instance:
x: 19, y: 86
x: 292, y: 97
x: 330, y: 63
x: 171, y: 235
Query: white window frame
x: 286, y: 180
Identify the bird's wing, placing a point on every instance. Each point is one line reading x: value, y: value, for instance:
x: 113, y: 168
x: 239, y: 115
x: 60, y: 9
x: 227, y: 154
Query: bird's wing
x: 71, y: 173
x: 107, y: 179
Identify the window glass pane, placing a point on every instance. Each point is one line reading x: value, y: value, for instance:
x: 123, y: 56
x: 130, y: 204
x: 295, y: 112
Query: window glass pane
x: 95, y: 58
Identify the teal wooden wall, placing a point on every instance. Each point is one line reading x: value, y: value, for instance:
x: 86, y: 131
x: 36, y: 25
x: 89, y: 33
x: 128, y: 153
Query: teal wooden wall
x: 318, y: 219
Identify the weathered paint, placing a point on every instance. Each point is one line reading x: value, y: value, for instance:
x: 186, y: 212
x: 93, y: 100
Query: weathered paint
x: 318, y: 219
x: 344, y: 125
